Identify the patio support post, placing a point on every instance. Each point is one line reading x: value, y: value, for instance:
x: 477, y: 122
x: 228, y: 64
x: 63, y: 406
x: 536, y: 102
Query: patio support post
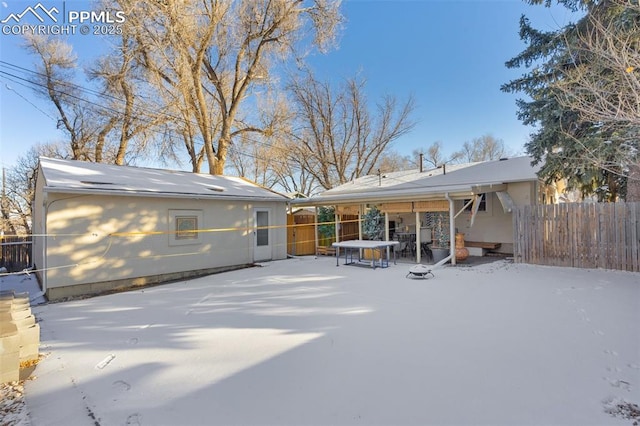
x: 315, y: 226
x: 360, y: 213
x: 418, y: 246
x: 386, y: 226
x: 452, y: 228
x: 335, y: 221
x: 386, y: 232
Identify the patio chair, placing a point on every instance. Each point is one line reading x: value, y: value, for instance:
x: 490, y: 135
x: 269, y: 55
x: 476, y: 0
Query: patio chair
x: 402, y: 248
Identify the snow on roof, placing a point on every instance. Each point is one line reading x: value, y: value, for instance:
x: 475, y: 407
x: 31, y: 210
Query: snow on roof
x: 391, y: 180
x: 460, y: 178
x: 86, y: 177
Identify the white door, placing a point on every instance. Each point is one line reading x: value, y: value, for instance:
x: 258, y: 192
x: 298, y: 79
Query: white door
x: 262, y: 234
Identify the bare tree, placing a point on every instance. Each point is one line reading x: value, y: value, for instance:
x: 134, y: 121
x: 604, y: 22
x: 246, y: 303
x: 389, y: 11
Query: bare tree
x: 54, y: 80
x: 256, y: 159
x: 337, y: 137
x: 484, y: 148
x: 210, y: 54
x: 393, y: 161
x: 433, y: 156
x: 19, y: 187
x: 126, y: 105
x: 602, y: 84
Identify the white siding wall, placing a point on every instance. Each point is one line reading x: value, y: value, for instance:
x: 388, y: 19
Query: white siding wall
x: 80, y: 250
x: 494, y: 225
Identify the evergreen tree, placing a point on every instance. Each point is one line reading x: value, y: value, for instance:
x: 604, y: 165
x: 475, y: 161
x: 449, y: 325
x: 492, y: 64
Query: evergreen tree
x: 568, y: 145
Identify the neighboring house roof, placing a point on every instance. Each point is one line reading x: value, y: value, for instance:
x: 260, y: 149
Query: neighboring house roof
x: 69, y: 176
x: 303, y: 210
x: 456, y: 180
x: 295, y: 194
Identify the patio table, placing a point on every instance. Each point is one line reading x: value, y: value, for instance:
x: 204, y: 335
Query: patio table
x: 380, y: 247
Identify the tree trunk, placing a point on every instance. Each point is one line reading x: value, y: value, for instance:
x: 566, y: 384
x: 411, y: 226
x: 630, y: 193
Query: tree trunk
x: 633, y: 184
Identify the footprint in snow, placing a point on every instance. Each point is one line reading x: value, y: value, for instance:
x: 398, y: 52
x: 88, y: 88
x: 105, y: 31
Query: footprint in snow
x: 134, y: 419
x: 616, y: 383
x: 610, y: 352
x: 122, y: 385
x: 133, y: 341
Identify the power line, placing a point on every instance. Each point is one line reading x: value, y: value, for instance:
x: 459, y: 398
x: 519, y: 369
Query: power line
x: 148, y: 113
x: 28, y: 101
x: 26, y: 83
x: 143, y: 111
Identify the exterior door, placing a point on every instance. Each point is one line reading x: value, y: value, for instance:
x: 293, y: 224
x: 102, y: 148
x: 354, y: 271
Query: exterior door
x: 262, y: 234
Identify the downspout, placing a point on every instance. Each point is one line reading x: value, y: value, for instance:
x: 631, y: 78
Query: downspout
x: 293, y: 231
x: 45, y: 209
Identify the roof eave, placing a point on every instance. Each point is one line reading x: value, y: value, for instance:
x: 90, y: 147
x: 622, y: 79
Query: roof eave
x: 156, y: 194
x: 391, y: 195
x: 378, y: 198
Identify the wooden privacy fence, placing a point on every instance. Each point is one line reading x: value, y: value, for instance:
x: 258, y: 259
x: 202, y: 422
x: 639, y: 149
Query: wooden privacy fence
x: 301, y: 233
x: 581, y: 235
x: 15, y: 253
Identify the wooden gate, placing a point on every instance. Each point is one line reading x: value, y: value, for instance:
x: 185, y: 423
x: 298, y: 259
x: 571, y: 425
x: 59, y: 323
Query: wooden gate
x: 301, y: 235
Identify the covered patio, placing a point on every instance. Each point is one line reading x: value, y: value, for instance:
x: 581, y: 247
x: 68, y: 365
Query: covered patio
x: 427, y: 211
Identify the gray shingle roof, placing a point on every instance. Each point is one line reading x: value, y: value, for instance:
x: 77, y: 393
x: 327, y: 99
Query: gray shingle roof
x: 460, y: 179
x: 96, y: 178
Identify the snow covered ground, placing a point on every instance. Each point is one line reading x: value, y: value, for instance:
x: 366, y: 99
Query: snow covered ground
x: 302, y: 341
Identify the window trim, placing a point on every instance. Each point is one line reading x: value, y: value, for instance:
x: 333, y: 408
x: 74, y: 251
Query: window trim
x: 179, y: 237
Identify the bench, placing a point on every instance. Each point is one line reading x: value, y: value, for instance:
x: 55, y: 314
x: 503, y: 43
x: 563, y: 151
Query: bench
x: 480, y: 248
x: 326, y: 251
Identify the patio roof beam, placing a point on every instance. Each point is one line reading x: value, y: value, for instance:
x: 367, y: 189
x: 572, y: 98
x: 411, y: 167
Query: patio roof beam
x: 351, y: 199
x: 507, y: 202
x: 492, y: 187
x: 463, y: 208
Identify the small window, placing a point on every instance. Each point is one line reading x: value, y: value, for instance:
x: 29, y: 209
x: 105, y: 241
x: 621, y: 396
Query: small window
x: 481, y: 208
x: 186, y: 227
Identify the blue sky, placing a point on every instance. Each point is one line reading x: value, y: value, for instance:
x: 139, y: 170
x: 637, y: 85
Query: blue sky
x: 449, y: 55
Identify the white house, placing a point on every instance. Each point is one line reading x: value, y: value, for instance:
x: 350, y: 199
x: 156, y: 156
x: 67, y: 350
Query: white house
x: 101, y: 227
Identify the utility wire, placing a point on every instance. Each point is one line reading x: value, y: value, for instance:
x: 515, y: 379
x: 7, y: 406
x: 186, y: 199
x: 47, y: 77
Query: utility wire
x: 6, y: 85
